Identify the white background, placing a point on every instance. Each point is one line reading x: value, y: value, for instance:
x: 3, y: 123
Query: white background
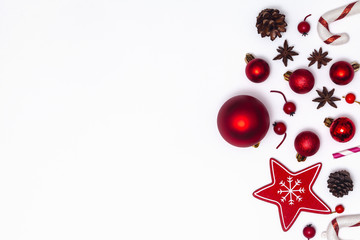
x: 108, y: 119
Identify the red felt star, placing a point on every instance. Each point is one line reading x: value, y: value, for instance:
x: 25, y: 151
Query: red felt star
x: 292, y: 192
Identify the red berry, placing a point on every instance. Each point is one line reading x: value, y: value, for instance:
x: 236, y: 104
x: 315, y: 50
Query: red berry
x: 279, y: 128
x: 339, y: 209
x: 309, y: 231
x: 304, y: 26
x: 350, y: 98
x: 289, y: 108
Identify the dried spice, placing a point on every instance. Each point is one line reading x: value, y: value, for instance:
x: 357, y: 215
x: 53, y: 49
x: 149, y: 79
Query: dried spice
x: 319, y: 57
x: 285, y: 53
x: 326, y: 97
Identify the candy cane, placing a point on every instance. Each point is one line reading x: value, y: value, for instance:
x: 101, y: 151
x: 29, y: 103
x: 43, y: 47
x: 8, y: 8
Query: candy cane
x: 346, y: 152
x: 332, y: 232
x: 332, y: 16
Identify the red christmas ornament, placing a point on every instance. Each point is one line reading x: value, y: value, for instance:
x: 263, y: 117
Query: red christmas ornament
x: 304, y: 26
x: 342, y: 72
x: 301, y: 81
x: 341, y: 129
x: 309, y: 231
x: 257, y: 70
x: 243, y: 121
x: 306, y: 144
x: 292, y: 192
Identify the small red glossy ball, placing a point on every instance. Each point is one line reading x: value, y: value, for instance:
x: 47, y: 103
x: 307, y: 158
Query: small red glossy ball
x: 341, y: 73
x: 257, y: 70
x: 339, y: 209
x: 301, y: 81
x: 289, y: 108
x: 307, y: 143
x: 279, y: 128
x: 342, y: 129
x: 309, y: 231
x: 350, y: 98
x: 304, y: 27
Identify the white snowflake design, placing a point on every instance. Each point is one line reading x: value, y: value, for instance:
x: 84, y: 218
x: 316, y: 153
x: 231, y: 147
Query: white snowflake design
x: 293, y: 192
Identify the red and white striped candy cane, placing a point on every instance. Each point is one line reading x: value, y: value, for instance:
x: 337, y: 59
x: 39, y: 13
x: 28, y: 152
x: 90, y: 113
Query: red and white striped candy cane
x: 346, y: 152
x: 332, y: 232
x: 332, y: 16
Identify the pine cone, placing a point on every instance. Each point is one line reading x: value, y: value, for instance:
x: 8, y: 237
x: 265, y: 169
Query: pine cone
x: 340, y: 183
x: 271, y: 23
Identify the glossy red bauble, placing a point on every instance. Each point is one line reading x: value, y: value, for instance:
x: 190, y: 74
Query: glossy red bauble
x: 306, y: 144
x: 257, y: 70
x: 301, y: 81
x: 341, y: 73
x: 243, y: 121
x: 341, y: 129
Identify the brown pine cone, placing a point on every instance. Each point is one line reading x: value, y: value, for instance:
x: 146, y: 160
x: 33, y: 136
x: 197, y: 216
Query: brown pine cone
x: 270, y: 23
x: 340, y: 183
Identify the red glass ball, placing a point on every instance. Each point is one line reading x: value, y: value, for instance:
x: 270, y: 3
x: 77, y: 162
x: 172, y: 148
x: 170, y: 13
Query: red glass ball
x: 243, y: 121
x: 257, y: 70
x: 307, y: 143
x: 342, y: 129
x: 301, y: 81
x: 341, y: 73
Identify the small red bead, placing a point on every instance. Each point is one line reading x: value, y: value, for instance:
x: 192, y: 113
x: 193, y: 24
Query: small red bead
x: 339, y: 209
x: 350, y: 98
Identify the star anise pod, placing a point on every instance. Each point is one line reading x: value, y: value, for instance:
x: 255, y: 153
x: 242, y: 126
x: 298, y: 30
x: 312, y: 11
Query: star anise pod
x: 319, y: 57
x: 326, y: 97
x: 285, y: 53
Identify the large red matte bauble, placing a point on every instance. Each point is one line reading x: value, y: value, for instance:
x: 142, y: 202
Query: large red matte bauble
x: 301, y: 81
x: 243, y: 121
x: 257, y: 70
x: 341, y: 73
x: 307, y: 143
x: 342, y: 129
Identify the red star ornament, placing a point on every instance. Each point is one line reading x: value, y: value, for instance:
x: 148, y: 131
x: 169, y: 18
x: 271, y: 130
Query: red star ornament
x: 292, y: 192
